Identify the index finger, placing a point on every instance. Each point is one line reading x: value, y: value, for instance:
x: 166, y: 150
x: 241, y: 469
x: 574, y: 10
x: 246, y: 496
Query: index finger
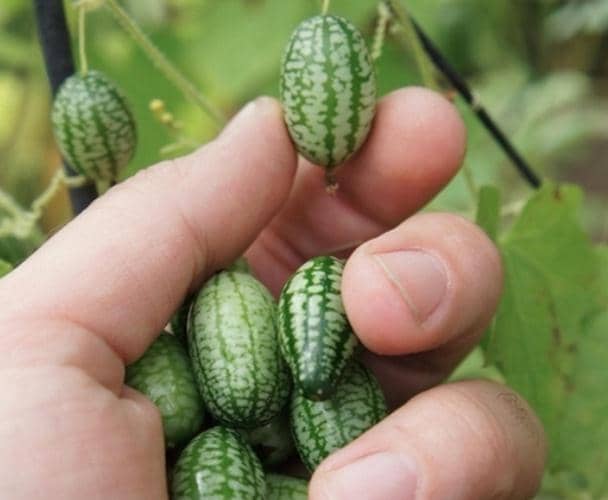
x: 415, y: 147
x: 122, y: 267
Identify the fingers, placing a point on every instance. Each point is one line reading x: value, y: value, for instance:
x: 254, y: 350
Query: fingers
x: 423, y: 294
x: 415, y: 147
x: 123, y: 266
x: 462, y: 441
x: 422, y: 285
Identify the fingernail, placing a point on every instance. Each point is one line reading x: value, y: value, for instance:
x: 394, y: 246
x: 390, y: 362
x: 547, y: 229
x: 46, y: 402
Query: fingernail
x: 380, y: 476
x: 419, y: 277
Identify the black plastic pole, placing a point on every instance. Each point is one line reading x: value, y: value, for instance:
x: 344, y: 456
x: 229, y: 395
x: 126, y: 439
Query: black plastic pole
x: 57, y: 51
x: 463, y: 89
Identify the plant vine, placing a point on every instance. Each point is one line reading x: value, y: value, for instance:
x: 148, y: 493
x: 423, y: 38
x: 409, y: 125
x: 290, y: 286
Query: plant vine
x: 163, y: 64
x: 325, y: 7
x: 82, y: 50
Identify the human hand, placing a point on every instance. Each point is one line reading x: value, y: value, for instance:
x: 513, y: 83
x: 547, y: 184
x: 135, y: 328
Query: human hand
x: 422, y: 291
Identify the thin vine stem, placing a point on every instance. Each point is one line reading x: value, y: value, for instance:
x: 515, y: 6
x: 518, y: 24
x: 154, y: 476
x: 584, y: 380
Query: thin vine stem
x: 408, y: 32
x: 82, y: 49
x: 427, y: 71
x: 384, y: 16
x: 22, y: 222
x: 164, y: 65
x: 325, y: 7
x: 9, y: 205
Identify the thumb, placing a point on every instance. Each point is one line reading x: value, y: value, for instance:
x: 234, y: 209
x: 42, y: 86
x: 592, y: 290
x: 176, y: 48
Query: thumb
x: 466, y: 440
x: 123, y: 265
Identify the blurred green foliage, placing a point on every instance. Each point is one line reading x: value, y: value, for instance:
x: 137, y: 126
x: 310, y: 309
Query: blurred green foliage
x: 539, y: 66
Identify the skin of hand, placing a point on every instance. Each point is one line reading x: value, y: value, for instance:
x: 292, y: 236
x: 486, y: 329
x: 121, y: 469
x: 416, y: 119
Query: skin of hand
x: 419, y: 290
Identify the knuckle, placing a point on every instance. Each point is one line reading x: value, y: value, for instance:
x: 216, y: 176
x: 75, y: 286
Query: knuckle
x: 478, y: 424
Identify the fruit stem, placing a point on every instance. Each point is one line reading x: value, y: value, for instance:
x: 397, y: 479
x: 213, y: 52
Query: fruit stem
x: 82, y: 51
x: 164, y: 65
x: 102, y: 186
x: 384, y: 16
x: 331, y: 183
x: 325, y: 7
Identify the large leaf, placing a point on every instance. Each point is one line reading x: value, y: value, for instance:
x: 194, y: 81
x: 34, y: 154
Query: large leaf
x: 584, y: 426
x: 543, y: 332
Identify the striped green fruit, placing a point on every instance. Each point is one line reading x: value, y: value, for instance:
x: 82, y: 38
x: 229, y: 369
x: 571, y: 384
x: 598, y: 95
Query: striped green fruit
x: 93, y: 126
x: 164, y: 375
x: 232, y: 339
x: 280, y: 487
x: 328, y: 89
x: 218, y: 465
x: 314, y: 334
x: 321, y: 427
x: 179, y: 320
x: 272, y: 442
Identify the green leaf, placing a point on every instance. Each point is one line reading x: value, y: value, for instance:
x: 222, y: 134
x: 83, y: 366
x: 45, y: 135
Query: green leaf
x: 583, y: 427
x: 552, y: 276
x: 580, y: 469
x: 488, y: 210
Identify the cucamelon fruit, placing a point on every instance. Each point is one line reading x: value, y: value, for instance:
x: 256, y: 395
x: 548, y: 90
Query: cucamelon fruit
x: 328, y: 89
x: 280, y: 487
x: 272, y: 442
x: 179, y: 320
x: 218, y: 465
x: 232, y: 339
x: 321, y: 427
x: 93, y: 125
x: 164, y: 375
x: 314, y: 334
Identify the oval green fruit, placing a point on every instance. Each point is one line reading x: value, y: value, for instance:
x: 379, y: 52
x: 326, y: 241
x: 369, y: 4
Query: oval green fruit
x: 93, y: 126
x: 321, y: 427
x: 218, y: 465
x: 165, y: 376
x: 314, y: 334
x: 328, y: 89
x: 280, y: 487
x: 232, y: 339
x: 179, y: 320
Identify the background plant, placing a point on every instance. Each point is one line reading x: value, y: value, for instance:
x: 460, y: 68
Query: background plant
x: 539, y: 66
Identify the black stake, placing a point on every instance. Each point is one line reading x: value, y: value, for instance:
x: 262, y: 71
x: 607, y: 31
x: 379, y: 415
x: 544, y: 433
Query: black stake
x: 57, y: 51
x: 463, y: 89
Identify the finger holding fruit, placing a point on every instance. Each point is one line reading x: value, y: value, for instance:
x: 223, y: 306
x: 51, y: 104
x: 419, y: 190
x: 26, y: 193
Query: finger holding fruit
x: 168, y: 249
x: 351, y: 269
